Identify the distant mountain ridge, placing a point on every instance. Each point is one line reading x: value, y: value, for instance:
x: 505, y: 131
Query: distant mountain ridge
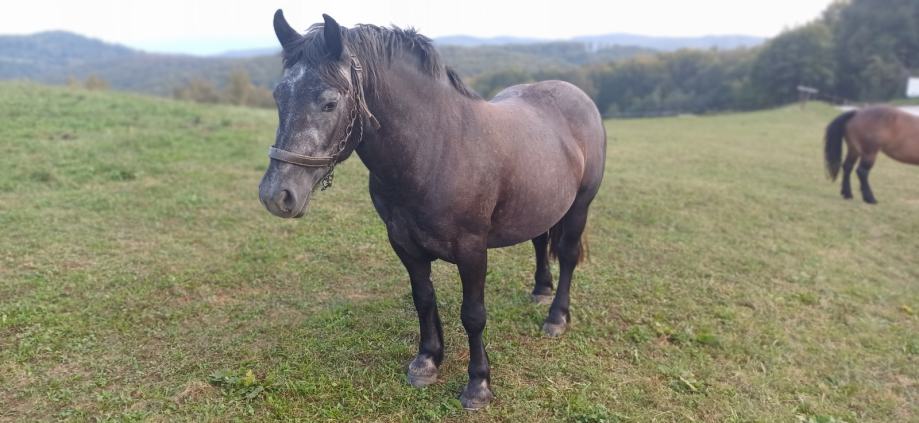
x: 56, y: 56
x: 471, y: 41
x: 249, y: 52
x: 721, y: 42
x: 724, y: 42
x: 23, y: 56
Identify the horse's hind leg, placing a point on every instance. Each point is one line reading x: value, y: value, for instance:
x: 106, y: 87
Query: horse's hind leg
x: 864, y: 168
x: 542, y: 289
x: 568, y: 251
x: 847, y: 166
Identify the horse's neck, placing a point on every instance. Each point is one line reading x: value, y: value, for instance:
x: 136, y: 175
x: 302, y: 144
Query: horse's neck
x: 416, y: 114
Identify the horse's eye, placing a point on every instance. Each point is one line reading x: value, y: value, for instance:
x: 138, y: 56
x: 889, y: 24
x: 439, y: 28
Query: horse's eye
x: 329, y: 106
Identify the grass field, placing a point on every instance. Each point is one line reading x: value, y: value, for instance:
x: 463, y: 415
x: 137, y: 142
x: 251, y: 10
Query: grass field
x: 142, y: 280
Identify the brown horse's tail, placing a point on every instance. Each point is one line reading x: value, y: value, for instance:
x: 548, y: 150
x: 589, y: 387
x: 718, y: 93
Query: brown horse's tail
x: 832, y: 150
x: 555, y: 237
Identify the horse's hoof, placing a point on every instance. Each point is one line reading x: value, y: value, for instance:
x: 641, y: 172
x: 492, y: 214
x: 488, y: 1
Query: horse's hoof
x: 542, y: 299
x: 422, y: 372
x: 555, y: 329
x: 871, y: 201
x: 476, y: 397
x: 847, y: 196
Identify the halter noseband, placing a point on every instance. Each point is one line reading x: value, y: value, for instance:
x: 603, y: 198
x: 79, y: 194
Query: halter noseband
x: 299, y: 159
x: 356, y: 115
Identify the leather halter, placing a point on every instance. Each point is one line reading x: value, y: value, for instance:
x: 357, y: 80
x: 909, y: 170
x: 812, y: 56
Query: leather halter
x: 299, y: 159
x: 357, y: 111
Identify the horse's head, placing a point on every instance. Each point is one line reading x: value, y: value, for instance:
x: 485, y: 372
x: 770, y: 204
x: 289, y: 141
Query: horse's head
x: 319, y: 100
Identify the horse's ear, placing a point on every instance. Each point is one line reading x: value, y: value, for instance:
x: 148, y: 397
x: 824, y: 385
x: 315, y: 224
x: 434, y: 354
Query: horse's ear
x: 286, y: 34
x: 332, y: 34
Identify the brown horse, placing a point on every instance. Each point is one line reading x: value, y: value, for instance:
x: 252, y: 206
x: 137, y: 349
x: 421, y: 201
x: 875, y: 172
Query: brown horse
x: 868, y: 131
x: 451, y: 175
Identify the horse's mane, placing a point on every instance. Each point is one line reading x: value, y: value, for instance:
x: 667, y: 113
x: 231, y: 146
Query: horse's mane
x: 374, y: 47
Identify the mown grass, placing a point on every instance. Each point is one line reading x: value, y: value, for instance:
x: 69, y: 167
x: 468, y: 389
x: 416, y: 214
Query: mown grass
x: 142, y: 280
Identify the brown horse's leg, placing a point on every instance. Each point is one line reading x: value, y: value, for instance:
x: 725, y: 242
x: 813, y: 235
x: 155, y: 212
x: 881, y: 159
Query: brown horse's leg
x: 569, y: 253
x: 472, y: 261
x: 864, y: 167
x: 542, y: 290
x: 851, y: 158
x: 422, y: 371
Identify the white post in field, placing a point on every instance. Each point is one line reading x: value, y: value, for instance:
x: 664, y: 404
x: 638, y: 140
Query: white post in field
x: 912, y: 88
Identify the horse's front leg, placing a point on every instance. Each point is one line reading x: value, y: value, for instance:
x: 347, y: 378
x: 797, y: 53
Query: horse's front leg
x: 422, y: 371
x: 472, y: 263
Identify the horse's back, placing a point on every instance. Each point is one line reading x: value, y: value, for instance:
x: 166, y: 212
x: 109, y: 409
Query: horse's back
x: 556, y: 96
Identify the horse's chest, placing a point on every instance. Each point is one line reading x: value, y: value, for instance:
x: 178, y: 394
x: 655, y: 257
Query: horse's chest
x: 428, y: 237
x: 415, y: 233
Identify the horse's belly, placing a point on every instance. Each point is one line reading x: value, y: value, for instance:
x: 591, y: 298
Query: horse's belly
x: 506, y: 237
x: 525, y: 217
x: 904, y: 153
x: 537, y: 193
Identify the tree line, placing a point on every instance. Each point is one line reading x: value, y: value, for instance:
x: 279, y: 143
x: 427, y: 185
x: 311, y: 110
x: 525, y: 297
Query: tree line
x: 862, y: 50
x: 238, y: 90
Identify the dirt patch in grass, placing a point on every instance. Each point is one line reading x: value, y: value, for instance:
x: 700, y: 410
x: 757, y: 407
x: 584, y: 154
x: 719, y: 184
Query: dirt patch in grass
x: 194, y: 391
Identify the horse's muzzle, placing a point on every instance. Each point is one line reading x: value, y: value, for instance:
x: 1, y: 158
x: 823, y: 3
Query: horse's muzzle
x: 283, y: 203
x: 286, y: 197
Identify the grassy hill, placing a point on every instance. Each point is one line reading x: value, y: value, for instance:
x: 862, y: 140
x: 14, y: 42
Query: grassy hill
x: 140, y: 278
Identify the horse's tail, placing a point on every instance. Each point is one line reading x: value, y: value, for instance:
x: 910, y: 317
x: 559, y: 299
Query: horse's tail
x: 832, y: 150
x: 555, y: 237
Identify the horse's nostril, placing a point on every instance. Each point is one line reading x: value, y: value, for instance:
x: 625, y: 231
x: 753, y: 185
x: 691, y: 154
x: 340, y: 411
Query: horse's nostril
x: 288, y: 199
x: 284, y: 200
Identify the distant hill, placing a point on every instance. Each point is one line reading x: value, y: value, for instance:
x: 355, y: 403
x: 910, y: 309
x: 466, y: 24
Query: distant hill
x: 251, y: 52
x: 474, y: 61
x: 42, y: 53
x: 470, y: 41
x: 53, y: 57
x: 724, y: 42
x: 501, y: 53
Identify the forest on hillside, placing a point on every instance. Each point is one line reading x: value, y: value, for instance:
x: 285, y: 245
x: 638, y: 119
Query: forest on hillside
x: 858, y: 50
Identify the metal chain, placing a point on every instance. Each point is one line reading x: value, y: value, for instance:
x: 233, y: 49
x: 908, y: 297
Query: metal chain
x: 355, y: 114
x: 326, y: 181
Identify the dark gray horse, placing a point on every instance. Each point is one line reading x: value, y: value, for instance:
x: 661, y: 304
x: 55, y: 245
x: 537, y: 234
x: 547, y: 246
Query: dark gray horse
x: 451, y: 175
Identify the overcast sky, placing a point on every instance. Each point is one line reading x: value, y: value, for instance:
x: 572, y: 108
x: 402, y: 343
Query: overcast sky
x: 211, y: 26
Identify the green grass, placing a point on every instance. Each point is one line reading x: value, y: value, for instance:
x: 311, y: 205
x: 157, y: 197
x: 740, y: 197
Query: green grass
x: 142, y: 279
x: 906, y: 102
